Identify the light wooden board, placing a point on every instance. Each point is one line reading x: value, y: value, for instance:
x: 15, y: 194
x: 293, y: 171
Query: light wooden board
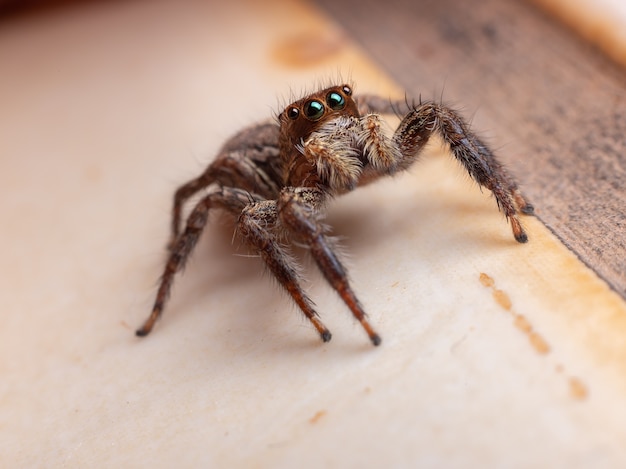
x: 494, y: 353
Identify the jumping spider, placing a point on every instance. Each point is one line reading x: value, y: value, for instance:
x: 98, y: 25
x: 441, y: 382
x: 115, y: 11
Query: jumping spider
x: 276, y: 178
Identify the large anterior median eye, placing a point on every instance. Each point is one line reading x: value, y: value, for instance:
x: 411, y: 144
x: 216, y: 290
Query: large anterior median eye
x: 313, y: 110
x: 335, y: 101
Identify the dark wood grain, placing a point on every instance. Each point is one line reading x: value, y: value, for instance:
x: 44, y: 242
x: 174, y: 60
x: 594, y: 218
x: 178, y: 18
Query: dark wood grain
x: 552, y: 105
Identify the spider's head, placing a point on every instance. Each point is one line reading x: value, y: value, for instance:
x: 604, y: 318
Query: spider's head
x: 303, y: 117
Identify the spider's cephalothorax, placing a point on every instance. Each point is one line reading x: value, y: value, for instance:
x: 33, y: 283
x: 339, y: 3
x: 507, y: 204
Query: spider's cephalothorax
x: 276, y: 179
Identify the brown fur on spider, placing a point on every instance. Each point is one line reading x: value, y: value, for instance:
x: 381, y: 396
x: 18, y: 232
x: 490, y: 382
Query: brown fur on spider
x: 277, y: 177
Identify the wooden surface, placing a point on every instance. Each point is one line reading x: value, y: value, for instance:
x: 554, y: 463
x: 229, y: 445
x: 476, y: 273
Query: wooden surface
x: 494, y: 354
x: 552, y: 104
x: 600, y: 22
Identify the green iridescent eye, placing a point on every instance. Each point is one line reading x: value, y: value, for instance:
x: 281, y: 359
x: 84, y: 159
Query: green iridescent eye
x: 313, y: 110
x: 335, y: 101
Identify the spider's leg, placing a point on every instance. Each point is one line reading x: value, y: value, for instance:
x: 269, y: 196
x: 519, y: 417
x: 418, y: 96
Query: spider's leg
x: 182, y: 194
x: 479, y: 161
x: 257, y: 224
x: 298, y: 209
x: 230, y: 199
x: 244, y: 161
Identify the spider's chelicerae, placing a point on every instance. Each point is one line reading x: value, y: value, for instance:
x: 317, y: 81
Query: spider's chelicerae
x: 276, y: 178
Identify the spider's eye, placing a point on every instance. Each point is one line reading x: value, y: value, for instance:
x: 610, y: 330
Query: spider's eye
x: 335, y: 101
x: 347, y: 90
x: 293, y: 113
x: 313, y: 110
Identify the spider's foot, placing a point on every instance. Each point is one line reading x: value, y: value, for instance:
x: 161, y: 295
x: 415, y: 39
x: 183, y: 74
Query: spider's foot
x: 147, y: 326
x: 141, y: 332
x: 321, y: 329
x: 522, y: 238
x: 523, y: 206
x: 518, y: 232
x: 376, y: 340
x: 371, y: 333
x: 528, y: 209
x: 145, y: 329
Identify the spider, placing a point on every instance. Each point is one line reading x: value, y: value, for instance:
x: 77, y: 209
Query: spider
x: 276, y: 178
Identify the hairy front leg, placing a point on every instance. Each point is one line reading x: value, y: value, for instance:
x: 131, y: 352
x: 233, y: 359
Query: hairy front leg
x: 423, y: 119
x: 421, y: 122
x: 298, y: 209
